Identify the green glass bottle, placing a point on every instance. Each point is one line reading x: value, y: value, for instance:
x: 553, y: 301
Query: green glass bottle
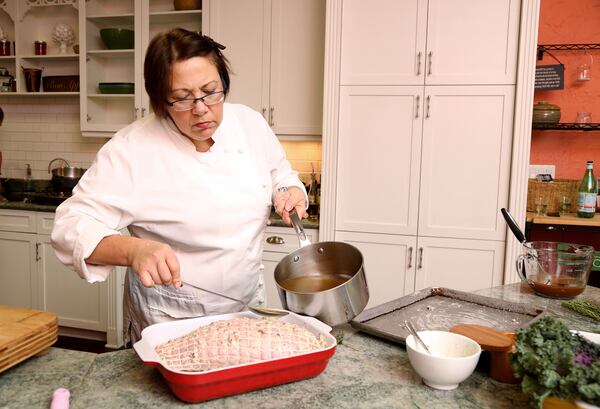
x: 588, y: 190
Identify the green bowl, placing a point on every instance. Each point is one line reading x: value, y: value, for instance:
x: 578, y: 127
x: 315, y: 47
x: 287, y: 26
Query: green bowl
x: 116, y: 87
x: 117, y: 38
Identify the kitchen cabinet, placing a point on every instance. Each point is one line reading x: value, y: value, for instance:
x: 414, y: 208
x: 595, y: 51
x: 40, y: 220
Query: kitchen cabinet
x: 33, y: 277
x: 18, y: 272
x: 24, y: 22
x: 278, y: 243
x: 104, y: 114
x: 437, y: 42
x: 276, y: 51
x: 421, y: 142
x: 397, y: 265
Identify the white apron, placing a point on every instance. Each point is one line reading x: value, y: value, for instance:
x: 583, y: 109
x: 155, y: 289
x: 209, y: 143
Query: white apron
x: 226, y: 257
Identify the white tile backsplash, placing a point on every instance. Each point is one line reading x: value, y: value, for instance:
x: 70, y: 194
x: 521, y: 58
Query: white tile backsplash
x: 37, y: 129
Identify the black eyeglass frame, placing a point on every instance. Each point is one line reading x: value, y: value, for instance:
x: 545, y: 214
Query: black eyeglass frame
x: 194, y: 100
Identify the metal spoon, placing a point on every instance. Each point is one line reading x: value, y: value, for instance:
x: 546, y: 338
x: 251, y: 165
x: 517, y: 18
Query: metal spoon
x: 409, y: 326
x: 258, y: 310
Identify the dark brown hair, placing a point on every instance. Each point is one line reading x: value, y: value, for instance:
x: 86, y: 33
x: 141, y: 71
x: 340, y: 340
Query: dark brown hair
x: 178, y: 44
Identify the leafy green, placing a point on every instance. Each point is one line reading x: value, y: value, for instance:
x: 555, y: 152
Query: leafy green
x: 553, y: 361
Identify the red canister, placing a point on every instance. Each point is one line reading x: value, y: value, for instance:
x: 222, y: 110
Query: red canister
x: 4, y: 47
x: 39, y: 47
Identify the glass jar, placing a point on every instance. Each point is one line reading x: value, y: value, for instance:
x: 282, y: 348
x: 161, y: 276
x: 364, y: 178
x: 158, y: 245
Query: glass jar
x: 583, y: 117
x: 4, y: 48
x: 39, y: 47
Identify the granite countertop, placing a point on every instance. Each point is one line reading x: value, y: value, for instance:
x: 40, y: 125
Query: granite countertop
x: 365, y: 372
x: 274, y: 220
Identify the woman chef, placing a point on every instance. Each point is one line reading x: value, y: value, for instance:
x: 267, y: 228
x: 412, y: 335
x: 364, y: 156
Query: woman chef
x: 193, y: 183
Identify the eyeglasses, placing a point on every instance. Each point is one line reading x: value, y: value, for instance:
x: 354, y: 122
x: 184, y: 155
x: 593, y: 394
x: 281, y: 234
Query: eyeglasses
x: 185, y: 104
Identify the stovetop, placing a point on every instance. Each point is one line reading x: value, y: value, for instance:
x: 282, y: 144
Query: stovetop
x: 48, y: 197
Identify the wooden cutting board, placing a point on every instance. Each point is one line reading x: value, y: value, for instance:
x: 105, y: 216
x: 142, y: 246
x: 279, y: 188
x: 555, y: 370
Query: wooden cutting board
x: 24, y: 332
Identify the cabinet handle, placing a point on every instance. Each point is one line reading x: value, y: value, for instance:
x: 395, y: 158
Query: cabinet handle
x: 275, y: 240
x: 429, y: 63
x: 143, y: 112
x: 264, y: 113
x: 37, y: 252
x: 410, y: 250
x: 420, y: 265
x: 428, y: 106
x: 419, y: 63
x: 418, y: 106
x: 272, y: 116
x: 136, y: 110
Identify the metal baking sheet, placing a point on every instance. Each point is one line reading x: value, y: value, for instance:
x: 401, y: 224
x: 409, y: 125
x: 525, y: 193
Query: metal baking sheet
x: 438, y: 308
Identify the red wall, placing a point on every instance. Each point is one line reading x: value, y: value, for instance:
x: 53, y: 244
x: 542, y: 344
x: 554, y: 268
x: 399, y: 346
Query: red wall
x: 570, y: 22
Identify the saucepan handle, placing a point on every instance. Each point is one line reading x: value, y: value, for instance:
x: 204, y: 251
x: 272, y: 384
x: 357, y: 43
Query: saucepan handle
x: 297, y: 225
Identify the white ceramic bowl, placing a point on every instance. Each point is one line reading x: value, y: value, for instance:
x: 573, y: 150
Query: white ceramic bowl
x: 453, y: 359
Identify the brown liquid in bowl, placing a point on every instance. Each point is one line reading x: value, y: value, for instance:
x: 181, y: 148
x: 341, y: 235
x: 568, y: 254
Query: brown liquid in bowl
x: 561, y: 288
x: 312, y: 284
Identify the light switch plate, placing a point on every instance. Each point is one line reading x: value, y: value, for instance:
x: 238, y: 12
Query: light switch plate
x: 541, y: 169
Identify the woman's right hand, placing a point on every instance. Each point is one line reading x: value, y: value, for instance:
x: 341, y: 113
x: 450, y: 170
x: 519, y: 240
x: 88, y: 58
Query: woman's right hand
x: 155, y: 263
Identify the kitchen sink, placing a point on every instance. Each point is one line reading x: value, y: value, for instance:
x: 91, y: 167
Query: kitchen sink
x: 41, y: 192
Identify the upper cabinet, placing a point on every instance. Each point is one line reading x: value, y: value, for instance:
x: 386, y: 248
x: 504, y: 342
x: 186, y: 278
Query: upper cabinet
x: 436, y: 42
x: 22, y: 23
x: 105, y: 111
x: 276, y: 51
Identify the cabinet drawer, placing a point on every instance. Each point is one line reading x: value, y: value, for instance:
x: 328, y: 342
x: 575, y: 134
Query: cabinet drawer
x: 284, y: 240
x: 17, y: 220
x: 45, y: 223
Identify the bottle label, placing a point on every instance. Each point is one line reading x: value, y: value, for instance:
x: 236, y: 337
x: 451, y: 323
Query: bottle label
x: 587, y: 202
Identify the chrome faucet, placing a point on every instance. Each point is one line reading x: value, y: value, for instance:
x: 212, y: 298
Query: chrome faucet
x: 57, y: 159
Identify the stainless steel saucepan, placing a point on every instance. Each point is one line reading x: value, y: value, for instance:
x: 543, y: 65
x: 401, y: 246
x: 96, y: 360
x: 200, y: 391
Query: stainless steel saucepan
x: 324, y: 280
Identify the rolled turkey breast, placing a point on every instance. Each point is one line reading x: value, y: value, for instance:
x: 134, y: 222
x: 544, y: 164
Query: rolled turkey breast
x: 234, y: 342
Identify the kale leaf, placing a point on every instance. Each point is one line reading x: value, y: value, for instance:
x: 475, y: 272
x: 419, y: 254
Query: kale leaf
x: 553, y: 361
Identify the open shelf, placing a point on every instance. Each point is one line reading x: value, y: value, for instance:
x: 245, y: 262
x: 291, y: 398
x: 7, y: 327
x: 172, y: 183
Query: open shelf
x: 567, y: 126
x: 541, y: 48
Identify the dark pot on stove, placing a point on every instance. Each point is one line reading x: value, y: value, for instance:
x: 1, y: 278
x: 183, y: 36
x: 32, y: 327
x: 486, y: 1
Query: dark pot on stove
x: 64, y: 179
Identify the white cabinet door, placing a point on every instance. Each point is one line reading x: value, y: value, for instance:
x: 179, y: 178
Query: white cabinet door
x: 77, y: 303
x: 244, y: 28
x: 383, y: 42
x: 465, y: 163
x: 270, y: 260
x: 103, y: 114
x: 472, y: 41
x: 18, y: 274
x: 297, y: 58
x: 389, y: 264
x: 464, y: 265
x: 276, y: 50
x: 379, y: 149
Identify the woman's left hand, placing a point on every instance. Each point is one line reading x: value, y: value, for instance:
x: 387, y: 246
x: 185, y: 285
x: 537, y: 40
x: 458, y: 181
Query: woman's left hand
x: 292, y: 198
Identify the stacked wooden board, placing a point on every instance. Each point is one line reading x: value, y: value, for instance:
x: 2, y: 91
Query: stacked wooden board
x: 23, y: 333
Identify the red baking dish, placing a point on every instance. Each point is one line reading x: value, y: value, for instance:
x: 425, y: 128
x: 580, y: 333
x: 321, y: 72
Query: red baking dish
x: 200, y: 386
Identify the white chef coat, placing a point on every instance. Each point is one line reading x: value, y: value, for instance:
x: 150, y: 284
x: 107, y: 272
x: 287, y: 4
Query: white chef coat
x: 210, y: 207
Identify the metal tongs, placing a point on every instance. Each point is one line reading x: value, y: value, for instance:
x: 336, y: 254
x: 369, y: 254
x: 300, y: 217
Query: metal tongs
x: 259, y: 310
x: 411, y: 329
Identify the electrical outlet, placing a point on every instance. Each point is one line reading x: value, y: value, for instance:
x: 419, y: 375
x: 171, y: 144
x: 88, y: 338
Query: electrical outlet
x: 541, y: 169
